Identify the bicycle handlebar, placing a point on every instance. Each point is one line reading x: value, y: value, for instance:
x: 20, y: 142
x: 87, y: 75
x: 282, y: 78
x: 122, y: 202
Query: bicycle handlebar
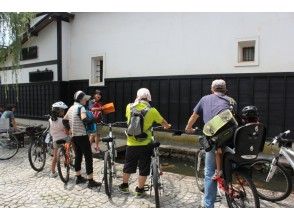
x: 114, y: 123
x: 280, y: 138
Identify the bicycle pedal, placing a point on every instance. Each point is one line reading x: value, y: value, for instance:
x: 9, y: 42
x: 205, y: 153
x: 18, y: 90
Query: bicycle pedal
x: 146, y: 187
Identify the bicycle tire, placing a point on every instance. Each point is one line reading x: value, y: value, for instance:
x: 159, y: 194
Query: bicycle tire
x: 10, y: 144
x: 61, y: 163
x: 199, y: 169
x: 280, y: 185
x: 107, y: 174
x: 155, y: 184
x: 231, y: 200
x: 41, y: 154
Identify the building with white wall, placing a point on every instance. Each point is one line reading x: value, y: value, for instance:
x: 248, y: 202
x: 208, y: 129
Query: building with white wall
x: 175, y: 55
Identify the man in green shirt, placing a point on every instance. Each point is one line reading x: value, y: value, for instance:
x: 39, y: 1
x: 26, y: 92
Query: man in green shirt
x: 139, y: 150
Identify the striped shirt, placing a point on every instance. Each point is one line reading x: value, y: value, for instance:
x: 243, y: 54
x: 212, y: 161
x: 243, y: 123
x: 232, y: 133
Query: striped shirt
x: 77, y: 126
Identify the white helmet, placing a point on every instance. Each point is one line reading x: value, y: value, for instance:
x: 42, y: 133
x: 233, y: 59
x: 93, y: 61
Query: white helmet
x: 59, y: 104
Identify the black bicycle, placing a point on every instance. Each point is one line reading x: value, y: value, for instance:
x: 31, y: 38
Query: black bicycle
x: 109, y: 170
x: 9, y: 145
x: 41, y: 144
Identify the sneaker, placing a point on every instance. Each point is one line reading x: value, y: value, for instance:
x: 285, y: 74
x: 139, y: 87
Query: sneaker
x: 217, y: 175
x: 80, y: 179
x: 53, y: 175
x: 140, y: 192
x: 92, y: 183
x: 124, y: 188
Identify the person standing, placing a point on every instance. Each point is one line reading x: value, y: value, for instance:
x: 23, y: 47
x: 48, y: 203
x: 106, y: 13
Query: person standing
x: 57, y: 131
x: 139, y: 149
x: 74, y: 122
x: 208, y: 107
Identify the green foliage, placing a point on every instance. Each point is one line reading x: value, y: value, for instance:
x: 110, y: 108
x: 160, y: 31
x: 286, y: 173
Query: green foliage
x: 13, y: 26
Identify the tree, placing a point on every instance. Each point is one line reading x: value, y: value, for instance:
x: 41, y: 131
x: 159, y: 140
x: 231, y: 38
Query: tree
x: 13, y: 27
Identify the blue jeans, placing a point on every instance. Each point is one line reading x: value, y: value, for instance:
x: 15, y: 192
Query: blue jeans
x: 210, y: 186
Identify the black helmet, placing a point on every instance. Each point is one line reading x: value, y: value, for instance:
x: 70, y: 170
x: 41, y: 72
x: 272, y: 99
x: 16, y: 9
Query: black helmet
x: 250, y: 112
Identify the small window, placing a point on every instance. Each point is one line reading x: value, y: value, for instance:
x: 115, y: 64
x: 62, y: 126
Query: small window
x: 247, y: 52
x: 29, y: 53
x: 97, y: 71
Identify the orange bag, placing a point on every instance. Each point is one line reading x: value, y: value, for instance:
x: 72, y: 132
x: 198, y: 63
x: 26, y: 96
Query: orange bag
x: 108, y: 108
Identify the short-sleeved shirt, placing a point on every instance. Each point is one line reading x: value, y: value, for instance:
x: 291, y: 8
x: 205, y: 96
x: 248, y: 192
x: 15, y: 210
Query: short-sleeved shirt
x: 152, y: 116
x: 211, y: 105
x: 97, y: 114
x: 9, y: 115
x: 76, y: 124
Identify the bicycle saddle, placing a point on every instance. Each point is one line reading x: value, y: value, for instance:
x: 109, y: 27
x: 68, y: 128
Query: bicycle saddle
x: 107, y: 139
x: 61, y: 142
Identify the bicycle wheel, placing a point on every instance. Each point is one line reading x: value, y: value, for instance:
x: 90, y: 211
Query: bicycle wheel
x: 37, y: 155
x: 278, y: 187
x: 241, y: 192
x: 63, y: 164
x: 155, y: 183
x: 199, y: 169
x: 9, y: 146
x: 107, y: 174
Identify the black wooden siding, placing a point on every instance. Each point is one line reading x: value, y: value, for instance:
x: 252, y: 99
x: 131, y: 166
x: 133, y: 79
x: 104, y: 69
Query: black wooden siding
x: 175, y: 96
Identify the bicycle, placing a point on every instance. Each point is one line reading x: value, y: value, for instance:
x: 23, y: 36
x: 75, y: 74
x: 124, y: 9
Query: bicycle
x: 41, y: 143
x: 236, y: 183
x: 65, y: 162
x: 276, y: 182
x: 9, y: 144
x: 156, y: 173
x: 109, y: 170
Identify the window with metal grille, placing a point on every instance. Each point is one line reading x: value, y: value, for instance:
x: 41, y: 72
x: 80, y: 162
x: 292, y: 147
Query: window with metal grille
x: 29, y: 53
x: 248, y: 54
x: 97, y: 71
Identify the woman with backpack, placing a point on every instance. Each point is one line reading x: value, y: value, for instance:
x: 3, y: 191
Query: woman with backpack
x: 75, y: 121
x: 139, y: 149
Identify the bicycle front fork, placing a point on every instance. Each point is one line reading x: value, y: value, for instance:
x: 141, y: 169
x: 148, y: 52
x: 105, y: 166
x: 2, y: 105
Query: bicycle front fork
x: 272, y: 170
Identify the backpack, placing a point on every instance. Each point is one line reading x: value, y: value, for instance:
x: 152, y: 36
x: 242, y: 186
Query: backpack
x: 90, y: 128
x: 136, y: 123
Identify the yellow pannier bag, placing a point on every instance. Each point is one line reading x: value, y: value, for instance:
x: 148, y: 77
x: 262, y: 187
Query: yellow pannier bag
x: 221, y: 127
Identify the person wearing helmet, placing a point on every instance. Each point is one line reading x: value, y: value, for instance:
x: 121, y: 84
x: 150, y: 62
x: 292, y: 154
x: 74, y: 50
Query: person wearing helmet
x: 56, y: 131
x: 249, y: 114
x: 74, y: 121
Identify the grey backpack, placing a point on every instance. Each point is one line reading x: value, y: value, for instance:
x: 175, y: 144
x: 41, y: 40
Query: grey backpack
x: 136, y: 123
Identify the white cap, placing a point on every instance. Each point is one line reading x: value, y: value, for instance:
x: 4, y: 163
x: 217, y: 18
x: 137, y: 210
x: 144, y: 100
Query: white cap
x: 79, y: 95
x: 143, y: 93
x: 218, y: 84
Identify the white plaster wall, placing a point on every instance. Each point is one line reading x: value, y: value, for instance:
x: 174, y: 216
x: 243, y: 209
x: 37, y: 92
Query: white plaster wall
x: 23, y: 75
x: 46, y: 42
x: 143, y: 44
x: 66, y: 50
x: 47, y: 50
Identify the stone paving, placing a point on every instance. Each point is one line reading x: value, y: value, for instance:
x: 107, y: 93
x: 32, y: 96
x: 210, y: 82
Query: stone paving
x: 21, y: 186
